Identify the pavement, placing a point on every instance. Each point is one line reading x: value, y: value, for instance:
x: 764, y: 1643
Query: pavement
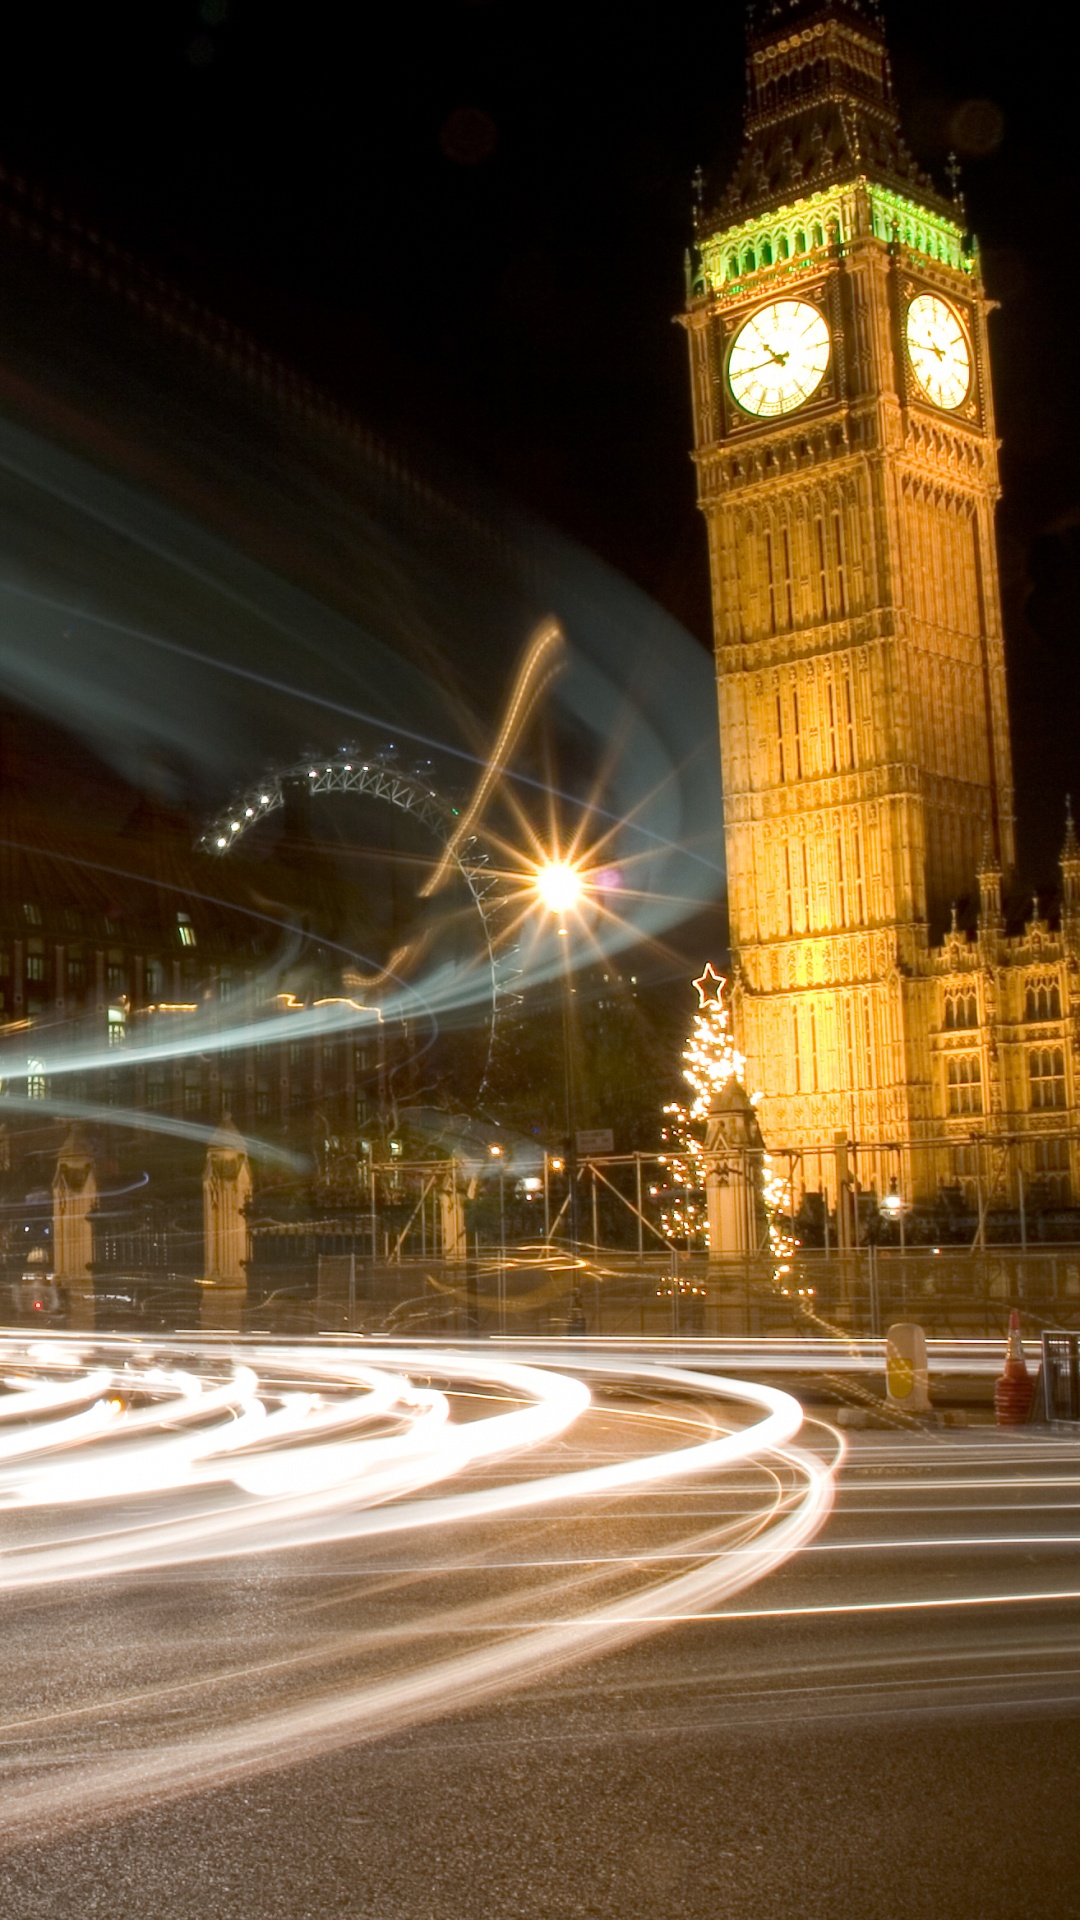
x: 888, y: 1725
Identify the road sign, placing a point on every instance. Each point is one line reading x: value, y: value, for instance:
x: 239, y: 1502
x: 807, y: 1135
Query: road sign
x: 596, y: 1140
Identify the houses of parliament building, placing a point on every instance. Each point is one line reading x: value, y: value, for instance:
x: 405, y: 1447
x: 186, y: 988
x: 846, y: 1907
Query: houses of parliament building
x: 847, y: 471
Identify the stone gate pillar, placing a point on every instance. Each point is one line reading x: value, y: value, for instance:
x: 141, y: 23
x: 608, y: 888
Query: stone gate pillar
x: 733, y: 1150
x: 733, y: 1161
x: 74, y: 1196
x: 227, y: 1188
x: 452, y: 1216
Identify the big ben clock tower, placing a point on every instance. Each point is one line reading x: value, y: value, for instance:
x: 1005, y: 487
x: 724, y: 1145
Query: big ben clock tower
x: 847, y: 471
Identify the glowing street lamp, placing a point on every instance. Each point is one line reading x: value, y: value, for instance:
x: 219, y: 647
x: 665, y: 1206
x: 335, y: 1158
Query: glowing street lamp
x: 559, y: 886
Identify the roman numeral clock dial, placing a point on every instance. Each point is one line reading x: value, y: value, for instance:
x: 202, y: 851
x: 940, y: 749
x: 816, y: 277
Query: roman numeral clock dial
x: 938, y: 350
x: 779, y: 358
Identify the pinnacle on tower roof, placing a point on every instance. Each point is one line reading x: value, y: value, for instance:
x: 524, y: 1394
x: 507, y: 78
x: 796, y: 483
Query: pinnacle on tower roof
x: 768, y: 16
x: 1070, y: 852
x: 820, y: 109
x: 988, y: 861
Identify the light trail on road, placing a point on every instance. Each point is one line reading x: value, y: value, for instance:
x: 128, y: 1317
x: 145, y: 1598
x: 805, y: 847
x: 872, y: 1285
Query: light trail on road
x: 122, y: 1462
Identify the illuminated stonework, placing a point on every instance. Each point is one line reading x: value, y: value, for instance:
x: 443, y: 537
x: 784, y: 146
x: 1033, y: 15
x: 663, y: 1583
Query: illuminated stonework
x: 863, y: 722
x: 789, y: 242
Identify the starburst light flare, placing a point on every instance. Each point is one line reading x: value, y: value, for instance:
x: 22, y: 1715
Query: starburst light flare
x: 559, y: 885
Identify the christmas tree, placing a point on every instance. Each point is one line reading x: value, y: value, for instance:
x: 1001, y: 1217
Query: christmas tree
x: 711, y: 1059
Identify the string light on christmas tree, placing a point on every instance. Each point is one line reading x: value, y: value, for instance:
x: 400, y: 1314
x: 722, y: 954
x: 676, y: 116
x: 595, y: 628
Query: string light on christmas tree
x: 775, y: 1191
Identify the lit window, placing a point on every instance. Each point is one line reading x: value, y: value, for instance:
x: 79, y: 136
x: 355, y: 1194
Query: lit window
x: 192, y: 1092
x: 117, y: 1027
x: 185, y: 930
x: 965, y: 1083
x: 35, y: 1079
x: 35, y: 966
x: 1046, y: 1074
x: 31, y: 914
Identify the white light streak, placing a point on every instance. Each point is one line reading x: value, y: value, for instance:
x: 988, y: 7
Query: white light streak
x: 283, y: 1447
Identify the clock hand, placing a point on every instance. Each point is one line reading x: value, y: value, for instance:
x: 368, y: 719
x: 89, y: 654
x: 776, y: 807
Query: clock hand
x: 775, y: 359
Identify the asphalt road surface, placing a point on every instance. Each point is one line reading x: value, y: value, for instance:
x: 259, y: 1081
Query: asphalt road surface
x: 693, y: 1694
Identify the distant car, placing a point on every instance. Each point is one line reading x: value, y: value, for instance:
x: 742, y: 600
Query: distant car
x: 37, y: 1297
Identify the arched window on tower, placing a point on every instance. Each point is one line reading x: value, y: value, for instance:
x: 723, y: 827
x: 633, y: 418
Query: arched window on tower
x: 1046, y: 1076
x: 800, y: 241
x: 961, y: 1011
x: 964, y: 1077
x: 1043, y: 1002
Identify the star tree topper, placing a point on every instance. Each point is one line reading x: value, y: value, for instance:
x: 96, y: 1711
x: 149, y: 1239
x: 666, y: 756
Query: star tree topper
x: 710, y: 986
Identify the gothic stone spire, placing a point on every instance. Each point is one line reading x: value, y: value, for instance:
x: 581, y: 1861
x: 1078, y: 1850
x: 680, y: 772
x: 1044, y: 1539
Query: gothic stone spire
x: 820, y: 107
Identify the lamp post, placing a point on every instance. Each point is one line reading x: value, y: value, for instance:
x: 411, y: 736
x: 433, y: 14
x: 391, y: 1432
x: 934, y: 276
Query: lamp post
x: 496, y: 1153
x: 560, y: 887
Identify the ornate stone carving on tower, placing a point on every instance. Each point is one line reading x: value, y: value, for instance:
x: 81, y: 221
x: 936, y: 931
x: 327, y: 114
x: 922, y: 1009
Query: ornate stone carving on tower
x: 847, y: 470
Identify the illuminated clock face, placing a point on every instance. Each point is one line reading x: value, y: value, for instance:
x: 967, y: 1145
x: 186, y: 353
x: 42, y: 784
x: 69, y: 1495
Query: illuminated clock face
x: 938, y: 350
x: 779, y: 358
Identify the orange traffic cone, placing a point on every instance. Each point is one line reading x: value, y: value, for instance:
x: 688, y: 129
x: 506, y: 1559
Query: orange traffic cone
x: 1014, y: 1388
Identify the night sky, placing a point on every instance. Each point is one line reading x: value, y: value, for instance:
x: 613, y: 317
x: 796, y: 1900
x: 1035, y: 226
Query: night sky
x: 468, y: 221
